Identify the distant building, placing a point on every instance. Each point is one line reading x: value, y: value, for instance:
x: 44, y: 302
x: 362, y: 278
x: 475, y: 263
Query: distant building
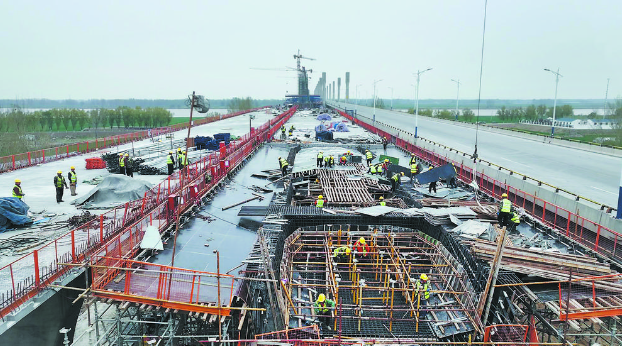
x: 602, y: 123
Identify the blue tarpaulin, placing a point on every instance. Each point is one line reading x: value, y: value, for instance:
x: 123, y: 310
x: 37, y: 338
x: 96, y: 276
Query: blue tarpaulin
x: 324, y: 117
x: 13, y: 212
x: 320, y: 128
x: 445, y: 172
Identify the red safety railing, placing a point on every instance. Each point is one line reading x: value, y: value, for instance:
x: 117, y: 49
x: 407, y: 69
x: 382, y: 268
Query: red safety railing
x: 584, y: 231
x: 118, y: 232
x: 31, y: 158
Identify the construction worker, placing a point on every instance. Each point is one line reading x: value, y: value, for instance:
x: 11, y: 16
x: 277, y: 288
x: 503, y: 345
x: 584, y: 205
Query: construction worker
x: 17, y: 189
x: 395, y: 180
x: 385, y: 142
x: 342, y: 254
x: 59, y: 183
x: 504, y: 211
x: 343, y: 160
x: 326, y: 161
x: 170, y: 162
x: 379, y: 168
x: 320, y: 159
x: 361, y: 248
x: 283, y: 131
x: 382, y: 202
x: 320, y: 201
x: 283, y: 164
x: 514, y: 221
x: 122, y: 163
x: 369, y: 157
x: 423, y: 288
x: 179, y: 157
x: 385, y: 166
x: 184, y: 159
x: 291, y: 130
x: 331, y: 161
x: 372, y: 169
x: 413, y: 159
x: 73, y: 180
x: 432, y: 186
x: 323, y: 310
x: 128, y: 165
x: 413, y: 170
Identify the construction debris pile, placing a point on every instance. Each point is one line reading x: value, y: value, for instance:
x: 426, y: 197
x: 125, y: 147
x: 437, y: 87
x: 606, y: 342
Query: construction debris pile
x: 112, y: 162
x: 113, y: 191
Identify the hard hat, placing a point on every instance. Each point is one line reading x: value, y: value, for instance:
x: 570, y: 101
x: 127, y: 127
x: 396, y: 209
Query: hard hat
x: 126, y: 154
x: 424, y: 277
x: 178, y: 149
x: 59, y: 172
x: 381, y: 197
x: 347, y: 251
x: 321, y: 298
x: 320, y: 197
x: 17, y: 181
x: 317, y: 180
x: 504, y: 195
x: 120, y: 154
x: 170, y: 152
x: 362, y: 240
x: 279, y: 157
x: 184, y: 152
x: 366, y: 149
x: 72, y: 167
x: 412, y: 154
x: 402, y: 173
x: 386, y: 160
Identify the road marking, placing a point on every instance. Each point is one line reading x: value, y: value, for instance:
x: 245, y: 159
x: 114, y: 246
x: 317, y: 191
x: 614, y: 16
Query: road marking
x: 502, y: 158
x: 594, y: 187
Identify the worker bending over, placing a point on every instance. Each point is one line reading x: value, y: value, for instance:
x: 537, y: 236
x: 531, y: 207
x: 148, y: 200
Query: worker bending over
x: 379, y: 168
x: 423, y: 288
x: 331, y: 161
x: 361, y: 248
x: 342, y: 254
x: 283, y: 164
x: 504, y: 211
x: 73, y: 180
x: 343, y: 160
x: 17, y: 189
x: 324, y: 310
x: 372, y: 169
x: 59, y: 183
x: 320, y: 201
x: 514, y: 221
x: 320, y: 159
x: 395, y: 180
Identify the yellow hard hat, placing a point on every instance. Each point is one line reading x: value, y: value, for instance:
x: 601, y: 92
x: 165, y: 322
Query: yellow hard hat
x: 381, y: 197
x: 72, y: 167
x: 320, y: 197
x: 321, y: 298
x: 170, y: 152
x: 362, y: 240
x: 59, y: 172
x: 17, y: 181
x: 386, y: 160
x: 120, y: 154
x: 504, y: 195
x: 347, y: 251
x: 366, y: 149
x: 424, y: 277
x: 402, y: 173
x: 126, y: 154
x: 178, y: 149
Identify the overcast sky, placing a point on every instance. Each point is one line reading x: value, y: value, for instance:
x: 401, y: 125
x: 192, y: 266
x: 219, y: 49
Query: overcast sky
x: 166, y: 49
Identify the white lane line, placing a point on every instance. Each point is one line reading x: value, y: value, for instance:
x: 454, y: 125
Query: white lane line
x: 518, y: 163
x: 594, y: 187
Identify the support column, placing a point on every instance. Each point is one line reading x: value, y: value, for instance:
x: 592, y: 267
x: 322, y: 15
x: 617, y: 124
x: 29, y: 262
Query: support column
x: 347, y: 87
x: 339, y: 89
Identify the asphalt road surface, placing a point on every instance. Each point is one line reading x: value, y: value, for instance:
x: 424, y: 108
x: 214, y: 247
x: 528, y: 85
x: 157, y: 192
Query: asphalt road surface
x: 591, y: 175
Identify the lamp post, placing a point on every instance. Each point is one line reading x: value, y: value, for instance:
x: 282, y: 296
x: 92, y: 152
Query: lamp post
x: 391, y: 97
x: 419, y: 73
x: 375, y: 82
x: 457, y: 96
x: 557, y: 75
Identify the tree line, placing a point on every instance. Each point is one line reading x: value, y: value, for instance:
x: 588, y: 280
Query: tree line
x: 16, y: 119
x: 237, y: 104
x: 131, y: 103
x: 509, y: 114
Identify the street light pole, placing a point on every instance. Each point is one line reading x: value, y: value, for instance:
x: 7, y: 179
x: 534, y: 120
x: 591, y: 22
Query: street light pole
x: 457, y: 96
x: 375, y: 82
x: 419, y: 73
x: 557, y: 75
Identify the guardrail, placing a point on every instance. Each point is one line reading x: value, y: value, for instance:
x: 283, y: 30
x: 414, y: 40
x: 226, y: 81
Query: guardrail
x: 118, y: 232
x: 31, y: 158
x: 584, y: 231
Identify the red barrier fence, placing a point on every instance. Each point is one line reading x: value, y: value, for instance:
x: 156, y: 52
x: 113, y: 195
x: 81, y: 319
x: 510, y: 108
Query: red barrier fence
x: 31, y: 158
x: 118, y: 232
x: 584, y: 231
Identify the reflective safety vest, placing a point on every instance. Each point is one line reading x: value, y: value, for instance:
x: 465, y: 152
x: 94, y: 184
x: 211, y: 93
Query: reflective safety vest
x: 372, y: 169
x: 332, y: 160
x: 283, y: 129
x: 320, y: 155
x: 184, y: 160
x: 121, y: 161
x: 506, y: 205
x: 284, y: 163
x: 379, y: 168
x: 74, y: 176
x: 383, y: 203
x: 425, y: 288
x: 369, y: 155
x: 320, y: 203
x: 20, y: 192
x: 169, y: 159
x: 515, y: 218
x: 396, y: 177
x: 59, y: 181
x: 413, y: 160
x: 413, y: 168
x: 326, y: 158
x: 323, y: 307
x: 340, y: 251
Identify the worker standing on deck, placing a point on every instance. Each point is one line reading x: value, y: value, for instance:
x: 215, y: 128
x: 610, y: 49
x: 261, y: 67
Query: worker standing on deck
x: 59, y: 183
x: 283, y: 164
x: 320, y: 159
x: 324, y: 310
x: 369, y: 157
x: 283, y: 131
x: 361, y: 248
x: 331, y: 161
x: 514, y: 221
x: 385, y: 166
x: 413, y: 159
x: 413, y: 171
x: 395, y: 180
x: 122, y: 163
x: 327, y: 161
x: 291, y: 130
x: 382, y: 202
x: 128, y: 166
x: 179, y: 155
x: 372, y: 169
x: 379, y: 169
x: 423, y: 289
x: 342, y: 254
x: 170, y: 162
x: 385, y: 142
x: 320, y: 201
x: 504, y: 211
x: 17, y: 189
x: 73, y: 180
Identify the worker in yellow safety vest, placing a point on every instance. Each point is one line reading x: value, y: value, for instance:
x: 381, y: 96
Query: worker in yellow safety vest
x: 17, y: 189
x: 413, y: 159
x: 73, y: 180
x: 184, y: 160
x: 342, y: 254
x: 323, y: 309
x: 170, y: 162
x: 382, y: 202
x: 372, y: 169
x: 369, y: 156
x: 413, y: 171
x: 423, y: 288
x: 59, y: 183
x: 283, y: 163
x: 122, y: 164
x: 395, y: 180
x: 320, y: 159
x: 331, y: 161
x: 320, y: 201
x: 505, y: 211
x: 379, y: 168
x: 514, y: 222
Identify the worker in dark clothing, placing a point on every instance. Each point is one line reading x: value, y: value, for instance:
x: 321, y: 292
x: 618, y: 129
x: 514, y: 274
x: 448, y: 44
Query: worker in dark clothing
x: 320, y: 159
x: 385, y: 142
x: 122, y: 164
x: 170, y: 163
x: 369, y: 156
x: 423, y: 289
x: 395, y: 180
x: 291, y: 130
x: 128, y: 166
x: 179, y: 158
x: 504, y: 211
x: 514, y: 221
x: 342, y: 254
x: 59, y: 183
x: 73, y: 180
x: 432, y: 186
x: 413, y: 159
x: 283, y: 129
x: 323, y: 309
x: 283, y: 164
x: 17, y: 189
x: 331, y: 161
